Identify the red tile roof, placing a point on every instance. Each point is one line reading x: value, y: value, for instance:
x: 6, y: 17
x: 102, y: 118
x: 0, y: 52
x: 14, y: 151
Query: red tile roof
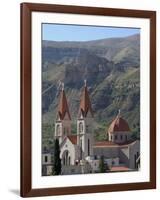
x: 73, y: 138
x: 119, y: 169
x: 63, y: 106
x: 112, y: 144
x: 105, y: 144
x: 118, y: 125
x: 85, y: 103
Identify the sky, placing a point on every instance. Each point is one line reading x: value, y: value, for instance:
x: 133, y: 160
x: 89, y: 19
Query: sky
x: 59, y: 32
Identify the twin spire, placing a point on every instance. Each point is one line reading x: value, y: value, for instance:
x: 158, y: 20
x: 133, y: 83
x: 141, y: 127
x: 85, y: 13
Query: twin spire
x: 85, y: 104
x: 63, y: 105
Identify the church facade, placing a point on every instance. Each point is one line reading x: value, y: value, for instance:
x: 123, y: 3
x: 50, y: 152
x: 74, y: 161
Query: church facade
x: 80, y: 153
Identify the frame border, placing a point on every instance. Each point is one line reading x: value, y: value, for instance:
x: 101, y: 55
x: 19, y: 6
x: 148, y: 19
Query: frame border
x: 26, y: 189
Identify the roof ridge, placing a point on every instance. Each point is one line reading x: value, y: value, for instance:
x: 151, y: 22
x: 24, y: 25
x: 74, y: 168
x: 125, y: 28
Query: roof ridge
x: 72, y: 138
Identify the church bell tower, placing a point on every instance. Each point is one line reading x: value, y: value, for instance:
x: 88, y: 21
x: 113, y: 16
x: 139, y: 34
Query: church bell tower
x: 63, y: 119
x: 85, y: 137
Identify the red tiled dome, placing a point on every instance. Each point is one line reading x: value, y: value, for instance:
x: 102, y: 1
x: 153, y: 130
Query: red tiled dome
x: 118, y: 125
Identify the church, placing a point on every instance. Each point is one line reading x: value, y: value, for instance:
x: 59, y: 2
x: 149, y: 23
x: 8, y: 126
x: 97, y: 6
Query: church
x: 80, y: 153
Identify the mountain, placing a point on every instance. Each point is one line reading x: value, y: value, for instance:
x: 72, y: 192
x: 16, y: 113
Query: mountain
x: 111, y: 67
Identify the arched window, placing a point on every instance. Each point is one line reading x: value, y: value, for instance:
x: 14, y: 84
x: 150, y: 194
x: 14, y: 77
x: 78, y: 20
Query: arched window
x: 69, y: 160
x: 111, y: 137
x: 80, y: 127
x: 64, y: 161
x: 87, y: 128
x: 58, y: 129
x: 88, y: 147
x: 81, y: 148
x: 46, y: 159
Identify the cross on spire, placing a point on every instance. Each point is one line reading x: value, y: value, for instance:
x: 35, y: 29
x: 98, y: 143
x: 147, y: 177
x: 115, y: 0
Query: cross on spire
x: 119, y: 112
x: 62, y: 84
x: 85, y: 82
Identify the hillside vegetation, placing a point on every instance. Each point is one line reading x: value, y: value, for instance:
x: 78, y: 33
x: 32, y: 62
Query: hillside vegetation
x: 111, y: 67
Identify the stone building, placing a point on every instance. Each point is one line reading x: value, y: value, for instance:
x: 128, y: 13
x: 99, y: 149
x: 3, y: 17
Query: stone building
x: 79, y: 152
x: 47, y: 163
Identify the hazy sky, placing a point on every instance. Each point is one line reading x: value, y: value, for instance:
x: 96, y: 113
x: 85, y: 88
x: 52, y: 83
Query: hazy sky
x: 58, y: 32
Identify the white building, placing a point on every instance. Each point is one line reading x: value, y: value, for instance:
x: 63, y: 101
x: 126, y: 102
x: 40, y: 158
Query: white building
x: 79, y: 153
x: 47, y: 164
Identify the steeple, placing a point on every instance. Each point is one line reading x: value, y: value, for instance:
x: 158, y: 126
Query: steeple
x: 63, y: 105
x: 85, y: 103
x: 85, y: 136
x: 119, y: 112
x: 63, y: 121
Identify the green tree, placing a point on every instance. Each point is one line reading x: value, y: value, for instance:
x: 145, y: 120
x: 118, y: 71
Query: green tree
x: 102, y: 167
x: 57, y: 161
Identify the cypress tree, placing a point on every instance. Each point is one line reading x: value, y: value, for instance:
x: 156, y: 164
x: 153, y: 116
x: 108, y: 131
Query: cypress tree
x: 57, y: 161
x: 102, y: 168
